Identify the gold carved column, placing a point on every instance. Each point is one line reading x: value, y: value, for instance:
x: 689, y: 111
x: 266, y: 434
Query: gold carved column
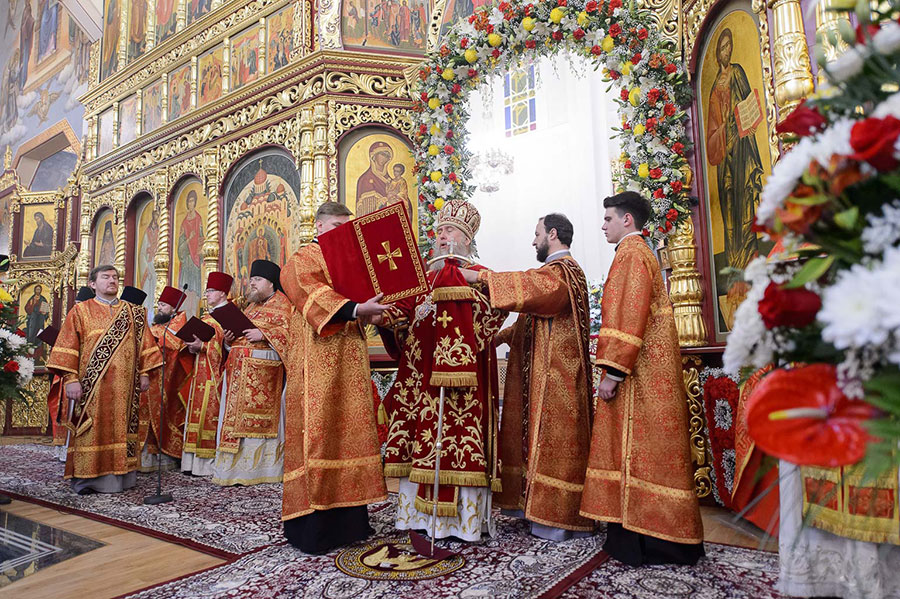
x: 161, y: 260
x: 685, y: 290
x: 211, y: 177
x: 320, y: 154
x: 827, y: 23
x: 119, y: 208
x: 793, y: 76
x: 307, y: 197
x: 84, y: 255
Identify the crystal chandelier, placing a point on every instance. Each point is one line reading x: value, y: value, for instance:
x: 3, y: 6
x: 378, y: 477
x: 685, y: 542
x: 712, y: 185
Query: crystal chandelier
x: 488, y: 166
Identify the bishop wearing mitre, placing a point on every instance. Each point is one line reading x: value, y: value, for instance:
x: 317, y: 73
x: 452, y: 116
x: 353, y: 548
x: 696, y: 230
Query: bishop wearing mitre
x: 332, y: 457
x: 202, y: 412
x: 104, y: 352
x: 445, y: 341
x: 250, y: 434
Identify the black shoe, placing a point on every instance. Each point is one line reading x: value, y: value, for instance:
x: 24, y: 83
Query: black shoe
x: 4, y: 500
x: 87, y: 491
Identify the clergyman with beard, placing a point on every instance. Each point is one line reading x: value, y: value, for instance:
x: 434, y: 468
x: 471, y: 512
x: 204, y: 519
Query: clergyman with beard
x: 250, y: 434
x: 166, y: 433
x: 545, y: 427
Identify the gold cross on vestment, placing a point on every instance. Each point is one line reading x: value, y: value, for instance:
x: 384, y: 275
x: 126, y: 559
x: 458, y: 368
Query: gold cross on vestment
x: 445, y: 318
x: 390, y: 255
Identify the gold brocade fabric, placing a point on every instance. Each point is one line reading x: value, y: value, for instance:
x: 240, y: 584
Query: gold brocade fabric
x: 548, y: 375
x: 639, y: 469
x: 110, y: 444
x: 253, y: 396
x: 332, y: 457
x: 178, y: 367
x: 205, y: 389
x: 848, y: 502
x: 469, y: 456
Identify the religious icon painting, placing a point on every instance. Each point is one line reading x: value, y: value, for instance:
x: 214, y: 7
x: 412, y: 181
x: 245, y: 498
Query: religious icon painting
x: 38, y: 231
x: 188, y: 233
x: 735, y: 153
x: 35, y: 311
x: 394, y: 24
x: 261, y: 213
x: 127, y: 120
x: 166, y: 18
x: 210, y: 71
x: 105, y: 136
x: 245, y: 58
x: 196, y: 9
x: 457, y: 10
x: 152, y: 106
x: 179, y: 92
x: 104, y: 238
x: 137, y: 28
x: 146, y: 236
x: 279, y: 38
x: 109, y: 48
x: 376, y: 170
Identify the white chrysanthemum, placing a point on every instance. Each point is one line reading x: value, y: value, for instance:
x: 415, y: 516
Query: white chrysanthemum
x: 749, y: 343
x: 847, y: 65
x: 834, y: 140
x: 851, y: 310
x: 890, y: 107
x: 784, y: 179
x: 889, y: 298
x: 887, y: 40
x: 26, y: 369
x: 882, y: 231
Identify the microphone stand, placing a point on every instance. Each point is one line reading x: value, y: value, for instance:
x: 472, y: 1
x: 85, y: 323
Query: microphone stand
x: 160, y: 497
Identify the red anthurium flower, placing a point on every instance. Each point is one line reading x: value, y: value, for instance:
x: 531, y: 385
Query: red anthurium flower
x: 802, y: 416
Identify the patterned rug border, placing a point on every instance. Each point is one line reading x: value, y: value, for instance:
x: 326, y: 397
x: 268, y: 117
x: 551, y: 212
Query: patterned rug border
x: 576, y: 576
x: 228, y: 556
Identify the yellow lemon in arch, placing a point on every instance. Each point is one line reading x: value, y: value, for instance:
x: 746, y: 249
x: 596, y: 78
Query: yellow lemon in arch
x: 439, y: 203
x: 643, y: 170
x: 448, y: 74
x: 608, y: 44
x: 638, y: 130
x: 434, y: 150
x: 433, y: 103
x: 436, y: 176
x: 471, y: 55
x: 495, y: 40
x: 527, y: 23
x: 556, y: 15
x: 434, y: 129
x: 634, y: 96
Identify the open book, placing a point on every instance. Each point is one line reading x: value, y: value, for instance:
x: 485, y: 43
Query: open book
x: 748, y: 114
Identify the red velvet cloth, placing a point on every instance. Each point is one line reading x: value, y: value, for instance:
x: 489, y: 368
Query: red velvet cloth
x: 375, y: 253
x: 453, y: 357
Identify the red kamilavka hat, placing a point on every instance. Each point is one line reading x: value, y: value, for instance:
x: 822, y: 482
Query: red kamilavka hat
x: 171, y: 296
x: 219, y: 281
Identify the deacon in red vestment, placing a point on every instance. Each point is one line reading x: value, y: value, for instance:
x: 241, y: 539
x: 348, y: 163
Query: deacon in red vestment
x: 446, y: 339
x: 332, y: 457
x: 205, y: 386
x: 250, y: 434
x: 167, y: 432
x: 639, y: 477
x: 104, y: 352
x: 545, y: 430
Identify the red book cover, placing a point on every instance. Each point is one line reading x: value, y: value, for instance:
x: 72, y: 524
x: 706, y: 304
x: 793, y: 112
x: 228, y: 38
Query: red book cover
x: 375, y: 253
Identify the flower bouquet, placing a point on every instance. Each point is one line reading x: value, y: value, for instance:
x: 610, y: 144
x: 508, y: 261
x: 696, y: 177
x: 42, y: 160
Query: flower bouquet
x: 17, y: 367
x: 826, y: 309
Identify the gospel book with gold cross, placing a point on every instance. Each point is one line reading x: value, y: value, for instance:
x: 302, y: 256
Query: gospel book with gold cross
x: 375, y: 253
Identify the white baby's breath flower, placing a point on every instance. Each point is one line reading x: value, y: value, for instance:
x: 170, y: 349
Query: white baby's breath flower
x: 847, y: 65
x: 784, y: 179
x: 882, y: 231
x: 887, y: 40
x: 890, y: 107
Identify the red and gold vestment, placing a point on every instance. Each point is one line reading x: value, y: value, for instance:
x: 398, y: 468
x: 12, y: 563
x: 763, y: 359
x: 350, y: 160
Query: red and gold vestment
x: 205, y: 389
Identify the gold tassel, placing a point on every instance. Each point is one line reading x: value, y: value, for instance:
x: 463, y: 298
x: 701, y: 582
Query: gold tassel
x: 496, y: 486
x: 397, y: 470
x: 459, y: 479
x: 450, y: 294
x: 443, y: 509
x: 453, y: 379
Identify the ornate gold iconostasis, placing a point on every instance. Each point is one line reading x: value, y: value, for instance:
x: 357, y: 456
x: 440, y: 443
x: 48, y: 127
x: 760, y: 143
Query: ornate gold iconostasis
x: 215, y: 129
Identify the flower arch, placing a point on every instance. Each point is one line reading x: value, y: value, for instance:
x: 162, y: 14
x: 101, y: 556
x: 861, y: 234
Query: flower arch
x: 622, y: 40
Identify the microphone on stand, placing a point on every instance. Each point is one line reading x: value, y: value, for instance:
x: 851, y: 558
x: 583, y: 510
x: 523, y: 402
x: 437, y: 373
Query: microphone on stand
x: 160, y: 497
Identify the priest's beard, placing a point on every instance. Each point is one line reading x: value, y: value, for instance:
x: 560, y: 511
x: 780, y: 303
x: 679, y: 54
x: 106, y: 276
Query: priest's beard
x: 543, y: 250
x: 438, y: 252
x: 160, y: 318
x: 257, y: 297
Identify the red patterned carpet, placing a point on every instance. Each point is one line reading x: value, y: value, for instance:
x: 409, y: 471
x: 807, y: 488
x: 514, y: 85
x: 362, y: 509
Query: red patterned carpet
x: 243, y: 525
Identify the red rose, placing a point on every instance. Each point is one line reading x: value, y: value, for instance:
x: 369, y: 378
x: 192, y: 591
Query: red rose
x: 472, y: 73
x: 670, y: 68
x: 626, y: 126
x: 802, y: 121
x: 590, y: 6
x: 627, y: 164
x: 615, y: 29
x: 596, y: 50
x: 450, y: 134
x: 677, y: 186
x: 661, y: 229
x: 655, y: 173
x: 643, y: 33
x: 530, y: 44
x: 421, y: 197
x: 873, y: 141
x: 431, y: 232
x: 669, y: 109
x: 424, y: 96
x: 451, y: 176
x: 489, y: 28
x: 678, y: 148
x: 495, y: 52
x: 652, y: 96
x: 463, y: 43
x: 448, y: 108
x: 622, y: 94
x: 471, y: 19
x: 561, y: 2
x: 671, y: 214
x: 861, y: 35
x: 652, y: 123
x: 11, y: 366
x: 448, y: 149
x: 795, y: 308
x: 578, y: 34
x: 556, y: 35
x: 659, y: 194
x: 645, y: 232
x: 456, y: 88
x: 613, y: 74
x: 668, y: 226
x: 425, y: 179
x: 636, y: 58
x: 528, y: 9
x: 423, y: 129
x: 614, y: 4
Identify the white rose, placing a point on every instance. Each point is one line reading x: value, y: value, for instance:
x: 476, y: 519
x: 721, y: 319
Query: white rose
x: 847, y: 65
x: 887, y: 40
